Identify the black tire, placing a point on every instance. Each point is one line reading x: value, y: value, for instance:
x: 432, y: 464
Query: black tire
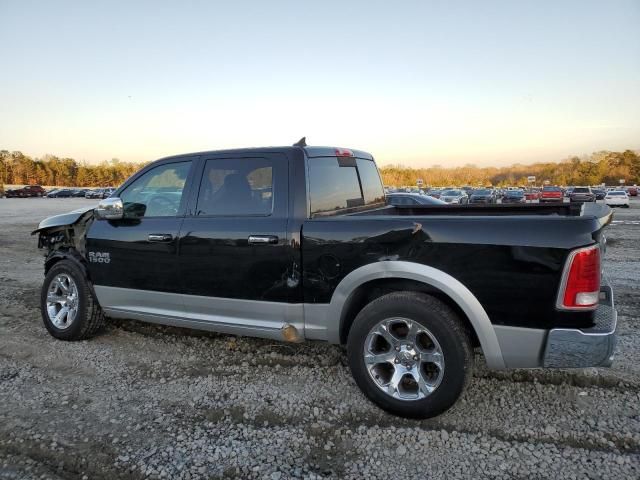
x: 89, y: 317
x: 449, y: 331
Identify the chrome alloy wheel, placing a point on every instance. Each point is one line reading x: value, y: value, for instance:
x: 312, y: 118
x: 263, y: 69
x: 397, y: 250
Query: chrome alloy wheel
x: 62, y: 301
x: 403, y: 358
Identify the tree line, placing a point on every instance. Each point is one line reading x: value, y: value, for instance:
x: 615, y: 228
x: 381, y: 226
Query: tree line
x: 606, y: 167
x: 600, y: 167
x: 17, y: 168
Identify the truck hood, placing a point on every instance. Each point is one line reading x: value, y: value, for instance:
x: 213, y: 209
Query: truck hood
x: 61, y: 220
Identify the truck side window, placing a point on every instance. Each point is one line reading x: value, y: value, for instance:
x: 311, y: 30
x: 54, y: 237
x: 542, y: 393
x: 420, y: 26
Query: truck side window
x: 332, y: 187
x: 237, y: 187
x: 157, y: 193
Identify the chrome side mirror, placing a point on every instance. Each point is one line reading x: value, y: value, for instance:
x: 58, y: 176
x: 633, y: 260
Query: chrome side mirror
x: 110, y: 209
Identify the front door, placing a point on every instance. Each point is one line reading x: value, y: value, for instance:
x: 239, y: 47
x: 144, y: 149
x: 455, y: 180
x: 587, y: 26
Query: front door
x: 133, y: 262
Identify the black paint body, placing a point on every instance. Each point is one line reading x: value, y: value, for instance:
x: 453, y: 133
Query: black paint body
x: 510, y: 257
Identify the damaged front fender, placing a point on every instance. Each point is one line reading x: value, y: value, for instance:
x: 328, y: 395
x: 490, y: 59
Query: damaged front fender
x: 64, y: 233
x: 63, y: 220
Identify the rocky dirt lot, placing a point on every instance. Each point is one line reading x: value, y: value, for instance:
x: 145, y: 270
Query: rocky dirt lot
x: 144, y: 401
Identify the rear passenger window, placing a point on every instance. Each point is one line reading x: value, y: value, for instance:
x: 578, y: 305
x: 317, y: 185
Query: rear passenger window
x: 332, y: 187
x: 236, y: 187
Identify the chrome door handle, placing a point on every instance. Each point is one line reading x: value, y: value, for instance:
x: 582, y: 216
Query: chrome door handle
x: 160, y: 237
x: 262, y: 239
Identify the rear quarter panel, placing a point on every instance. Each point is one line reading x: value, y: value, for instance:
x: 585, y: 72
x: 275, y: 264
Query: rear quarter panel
x: 513, y: 265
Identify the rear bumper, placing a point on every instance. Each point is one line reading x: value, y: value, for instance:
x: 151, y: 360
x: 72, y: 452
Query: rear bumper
x: 582, y: 199
x: 563, y: 347
x: 592, y: 347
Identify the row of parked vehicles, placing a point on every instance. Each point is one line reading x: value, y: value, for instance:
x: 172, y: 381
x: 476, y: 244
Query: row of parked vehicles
x: 548, y: 194
x: 38, y: 191
x: 81, y: 192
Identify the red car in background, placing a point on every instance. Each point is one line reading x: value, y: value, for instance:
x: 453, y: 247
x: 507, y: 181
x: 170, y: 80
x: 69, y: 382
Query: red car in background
x: 532, y: 194
x: 551, y: 194
x: 632, y: 191
x: 28, y: 191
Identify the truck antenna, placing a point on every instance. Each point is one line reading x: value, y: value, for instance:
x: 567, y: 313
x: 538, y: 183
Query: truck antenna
x: 301, y: 143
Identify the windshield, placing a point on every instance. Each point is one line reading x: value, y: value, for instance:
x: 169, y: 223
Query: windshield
x: 451, y: 193
x: 482, y: 191
x: 551, y: 189
x: 581, y: 190
x: 617, y: 193
x: 515, y: 193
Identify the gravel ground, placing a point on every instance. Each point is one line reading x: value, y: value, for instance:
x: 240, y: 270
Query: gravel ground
x: 143, y: 401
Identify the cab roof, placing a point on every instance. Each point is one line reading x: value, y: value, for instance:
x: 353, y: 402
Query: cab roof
x: 311, y: 152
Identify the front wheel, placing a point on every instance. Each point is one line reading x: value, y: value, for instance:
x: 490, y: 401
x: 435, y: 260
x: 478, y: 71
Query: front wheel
x: 410, y: 354
x: 69, y: 310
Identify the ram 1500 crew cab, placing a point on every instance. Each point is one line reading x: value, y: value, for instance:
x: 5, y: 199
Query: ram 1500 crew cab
x: 297, y: 243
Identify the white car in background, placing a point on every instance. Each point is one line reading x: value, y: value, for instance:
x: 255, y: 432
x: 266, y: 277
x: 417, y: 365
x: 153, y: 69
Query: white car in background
x: 617, y: 198
x: 454, y: 195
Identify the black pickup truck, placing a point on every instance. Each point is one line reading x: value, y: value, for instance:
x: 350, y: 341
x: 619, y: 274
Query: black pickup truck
x: 297, y: 243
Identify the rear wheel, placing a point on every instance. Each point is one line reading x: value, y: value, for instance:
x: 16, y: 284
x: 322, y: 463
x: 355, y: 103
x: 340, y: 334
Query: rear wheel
x: 69, y: 310
x: 410, y: 354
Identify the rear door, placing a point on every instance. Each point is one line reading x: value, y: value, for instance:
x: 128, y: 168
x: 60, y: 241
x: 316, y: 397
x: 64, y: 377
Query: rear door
x: 236, y: 263
x: 133, y: 262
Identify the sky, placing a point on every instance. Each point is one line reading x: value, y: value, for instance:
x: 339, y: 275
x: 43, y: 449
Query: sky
x: 415, y: 83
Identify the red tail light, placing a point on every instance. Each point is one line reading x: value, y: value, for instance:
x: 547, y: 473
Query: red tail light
x: 580, y: 287
x: 343, y: 152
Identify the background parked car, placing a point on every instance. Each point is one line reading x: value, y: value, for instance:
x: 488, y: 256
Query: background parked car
x: 468, y: 190
x: 79, y: 193
x: 513, y: 196
x: 61, y: 193
x: 582, y: 194
x: 551, y: 194
x: 532, y: 194
x: 483, y: 195
x: 27, y: 191
x: 435, y: 192
x: 617, y: 198
x: 632, y: 191
x: 106, y: 193
x: 599, y: 193
x: 396, y: 199
x: 454, y: 196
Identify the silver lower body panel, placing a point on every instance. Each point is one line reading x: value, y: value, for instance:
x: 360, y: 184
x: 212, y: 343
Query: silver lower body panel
x: 591, y: 347
x: 563, y: 347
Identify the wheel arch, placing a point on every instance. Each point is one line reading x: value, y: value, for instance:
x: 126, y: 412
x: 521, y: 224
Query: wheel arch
x: 67, y: 254
x: 75, y: 257
x: 347, y: 300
